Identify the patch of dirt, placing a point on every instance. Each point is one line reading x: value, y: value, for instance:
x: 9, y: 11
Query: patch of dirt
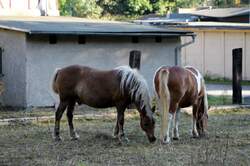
x: 32, y: 143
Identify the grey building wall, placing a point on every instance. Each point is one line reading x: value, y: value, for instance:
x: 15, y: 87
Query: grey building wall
x: 14, y: 68
x: 103, y: 53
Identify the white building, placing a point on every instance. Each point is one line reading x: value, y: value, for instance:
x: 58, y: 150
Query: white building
x: 34, y: 47
x: 29, y: 8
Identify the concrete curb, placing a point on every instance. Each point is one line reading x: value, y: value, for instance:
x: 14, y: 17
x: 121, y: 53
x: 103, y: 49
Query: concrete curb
x: 95, y: 116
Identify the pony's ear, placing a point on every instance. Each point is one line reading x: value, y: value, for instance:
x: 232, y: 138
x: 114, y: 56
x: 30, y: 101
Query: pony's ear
x: 153, y: 108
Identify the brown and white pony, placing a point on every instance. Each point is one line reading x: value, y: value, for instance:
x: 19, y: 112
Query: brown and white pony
x: 178, y: 87
x: 119, y: 87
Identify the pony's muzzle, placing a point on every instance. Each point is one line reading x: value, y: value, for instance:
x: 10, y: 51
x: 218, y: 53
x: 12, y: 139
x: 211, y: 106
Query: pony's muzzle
x: 151, y: 138
x: 203, y: 133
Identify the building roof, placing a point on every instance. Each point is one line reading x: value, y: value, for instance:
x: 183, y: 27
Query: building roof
x: 79, y: 26
x: 216, y: 25
x: 221, y: 12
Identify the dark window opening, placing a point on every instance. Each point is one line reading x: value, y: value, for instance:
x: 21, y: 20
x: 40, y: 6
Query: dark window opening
x: 135, y: 39
x: 158, y: 39
x: 81, y: 39
x: 52, y: 39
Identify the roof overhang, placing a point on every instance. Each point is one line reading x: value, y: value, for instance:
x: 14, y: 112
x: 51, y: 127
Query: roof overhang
x: 221, y: 12
x: 60, y: 26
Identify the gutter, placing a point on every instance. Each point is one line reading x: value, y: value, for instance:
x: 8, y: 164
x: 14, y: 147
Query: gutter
x: 178, y: 48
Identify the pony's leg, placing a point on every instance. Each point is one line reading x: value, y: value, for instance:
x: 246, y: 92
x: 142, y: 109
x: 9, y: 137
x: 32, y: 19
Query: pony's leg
x: 167, y: 139
x: 59, y: 112
x: 194, y: 127
x: 120, y: 123
x: 116, y: 132
x: 176, y: 125
x: 171, y: 114
x: 70, y: 110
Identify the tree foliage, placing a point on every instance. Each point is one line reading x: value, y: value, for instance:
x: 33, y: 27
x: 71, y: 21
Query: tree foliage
x: 223, y: 3
x: 125, y: 7
x: 80, y: 8
x: 139, y: 7
x: 162, y: 6
x: 99, y: 8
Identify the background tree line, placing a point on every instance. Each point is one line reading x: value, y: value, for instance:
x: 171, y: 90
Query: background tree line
x: 102, y: 8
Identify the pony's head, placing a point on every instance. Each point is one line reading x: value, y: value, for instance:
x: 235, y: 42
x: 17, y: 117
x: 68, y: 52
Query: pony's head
x: 134, y: 85
x: 142, y: 101
x: 147, y: 123
x: 202, y: 123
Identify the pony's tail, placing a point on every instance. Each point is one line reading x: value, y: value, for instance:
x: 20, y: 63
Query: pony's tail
x: 54, y: 84
x: 205, y: 101
x: 164, y: 96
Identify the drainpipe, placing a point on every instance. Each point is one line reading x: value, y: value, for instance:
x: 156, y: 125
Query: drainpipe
x: 178, y: 48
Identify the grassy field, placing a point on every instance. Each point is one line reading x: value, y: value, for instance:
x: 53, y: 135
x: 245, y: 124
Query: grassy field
x: 221, y: 80
x: 32, y: 144
x: 219, y: 100
x: 6, y: 113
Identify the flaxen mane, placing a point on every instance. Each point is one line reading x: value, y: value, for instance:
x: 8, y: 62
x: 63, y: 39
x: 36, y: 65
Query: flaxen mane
x: 134, y: 83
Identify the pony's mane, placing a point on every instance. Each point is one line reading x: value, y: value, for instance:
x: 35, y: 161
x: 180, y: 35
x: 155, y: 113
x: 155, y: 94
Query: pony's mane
x: 135, y: 84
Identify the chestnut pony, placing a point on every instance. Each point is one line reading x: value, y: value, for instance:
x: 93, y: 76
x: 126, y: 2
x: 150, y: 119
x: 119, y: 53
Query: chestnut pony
x: 119, y: 87
x: 178, y: 87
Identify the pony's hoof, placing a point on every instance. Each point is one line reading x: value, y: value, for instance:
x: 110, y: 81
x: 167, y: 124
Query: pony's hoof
x: 115, y: 136
x: 75, y: 137
x: 58, y: 138
x: 203, y: 135
x: 195, y: 136
x: 165, y: 141
x: 176, y: 138
x: 124, y: 140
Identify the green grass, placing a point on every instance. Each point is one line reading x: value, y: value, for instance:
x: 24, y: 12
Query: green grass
x: 231, y: 112
x: 6, y: 113
x: 219, y: 100
x: 220, y: 80
x: 32, y: 144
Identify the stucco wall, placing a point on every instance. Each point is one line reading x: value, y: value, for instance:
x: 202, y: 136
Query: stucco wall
x: 105, y: 53
x: 212, y: 52
x: 14, y: 69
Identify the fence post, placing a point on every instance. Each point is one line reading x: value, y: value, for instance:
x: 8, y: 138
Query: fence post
x: 135, y: 59
x: 134, y: 62
x: 237, y: 76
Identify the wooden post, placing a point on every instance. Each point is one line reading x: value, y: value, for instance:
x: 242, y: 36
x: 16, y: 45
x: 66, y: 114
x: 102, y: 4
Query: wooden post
x: 1, y: 4
x: 237, y: 76
x: 134, y: 62
x: 135, y: 59
x: 29, y: 4
x: 1, y: 62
